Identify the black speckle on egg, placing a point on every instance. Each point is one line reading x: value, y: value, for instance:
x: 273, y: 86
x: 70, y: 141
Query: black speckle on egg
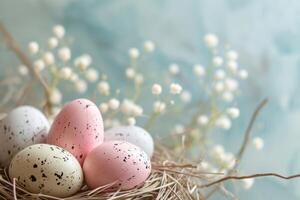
x: 32, y: 178
x: 35, y: 166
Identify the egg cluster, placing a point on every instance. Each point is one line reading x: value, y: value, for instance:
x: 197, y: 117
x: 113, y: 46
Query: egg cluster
x: 75, y: 150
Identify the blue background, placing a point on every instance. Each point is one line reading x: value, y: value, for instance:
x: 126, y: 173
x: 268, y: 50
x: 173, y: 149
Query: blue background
x: 265, y: 33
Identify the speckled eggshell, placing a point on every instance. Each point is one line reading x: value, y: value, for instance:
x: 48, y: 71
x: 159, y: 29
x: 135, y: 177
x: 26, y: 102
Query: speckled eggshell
x: 133, y: 134
x: 78, y: 128
x: 116, y: 162
x: 22, y: 127
x: 47, y: 169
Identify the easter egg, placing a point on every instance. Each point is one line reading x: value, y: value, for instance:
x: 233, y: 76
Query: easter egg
x: 23, y: 126
x: 78, y: 128
x: 119, y: 163
x: 133, y: 134
x: 46, y: 169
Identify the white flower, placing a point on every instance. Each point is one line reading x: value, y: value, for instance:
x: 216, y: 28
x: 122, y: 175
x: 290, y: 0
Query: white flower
x: 39, y: 65
x: 83, y: 61
x: 139, y: 79
x: 103, y: 88
x: 229, y: 160
x: 174, y: 69
x: 73, y: 77
x: 64, y: 54
x: 130, y: 73
x: 211, y: 40
x: 179, y: 129
x: 52, y: 43
x: 33, y: 47
x: 248, y: 183
x: 243, y: 74
x: 220, y: 74
x: 66, y: 73
x: 223, y: 122
x: 48, y: 58
x: 218, y: 151
x: 131, y: 121
x: 199, y: 70
x: 58, y: 31
x: 114, y: 104
x: 127, y: 106
x: 258, y: 143
x: 227, y: 96
x: 134, y: 53
x: 231, y: 84
x: 156, y: 89
x: 233, y: 112
x: 202, y: 120
x: 149, y: 46
x: 137, y: 110
x: 159, y: 107
x: 91, y: 75
x: 186, y: 96
x: 232, y: 55
x: 175, y: 88
x: 23, y: 70
x: 55, y: 96
x: 219, y: 86
x: 80, y: 86
x: 217, y: 61
x: 103, y: 107
x: 232, y: 66
x: 204, y: 165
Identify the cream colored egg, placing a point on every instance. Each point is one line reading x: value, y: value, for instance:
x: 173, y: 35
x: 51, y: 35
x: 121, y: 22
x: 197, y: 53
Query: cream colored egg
x: 47, y: 169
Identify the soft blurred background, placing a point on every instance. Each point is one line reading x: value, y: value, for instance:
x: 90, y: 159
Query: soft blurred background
x: 264, y: 32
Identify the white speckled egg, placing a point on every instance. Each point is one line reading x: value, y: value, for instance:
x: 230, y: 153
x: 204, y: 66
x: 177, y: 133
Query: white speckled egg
x: 22, y: 127
x: 116, y: 162
x: 133, y: 134
x: 47, y: 169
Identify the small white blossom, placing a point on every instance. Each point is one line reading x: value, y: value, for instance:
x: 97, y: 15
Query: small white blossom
x: 64, y: 54
x: 137, y: 110
x: 114, y: 104
x: 39, y: 65
x: 156, y: 89
x: 91, y: 75
x: 103, y: 107
x: 231, y: 84
x: 80, y: 86
x: 199, y: 70
x: 220, y: 74
x: 74, y: 77
x: 134, y: 53
x: 139, y: 79
x: 58, y: 31
x: 23, y: 70
x: 186, y: 96
x: 211, y: 40
x: 131, y: 121
x: 66, y: 73
x: 202, y: 120
x: 55, y: 96
x: 127, y: 107
x: 33, y: 47
x: 227, y: 96
x: 243, y: 74
x: 232, y: 66
x: 219, y: 86
x: 149, y: 46
x: 217, y: 61
x: 130, y: 73
x: 248, y: 183
x: 103, y: 88
x: 218, y: 151
x: 159, y: 107
x: 229, y: 160
x: 83, y: 62
x: 175, y: 88
x: 52, y: 43
x: 258, y: 143
x: 179, y: 129
x: 232, y: 55
x: 174, y: 69
x: 233, y: 112
x: 48, y: 58
x: 223, y: 122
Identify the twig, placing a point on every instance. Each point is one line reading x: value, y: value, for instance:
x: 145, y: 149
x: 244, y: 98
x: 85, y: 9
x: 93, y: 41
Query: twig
x: 249, y: 176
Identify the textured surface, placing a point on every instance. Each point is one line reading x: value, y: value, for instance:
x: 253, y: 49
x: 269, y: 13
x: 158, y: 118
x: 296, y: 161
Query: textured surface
x: 266, y: 33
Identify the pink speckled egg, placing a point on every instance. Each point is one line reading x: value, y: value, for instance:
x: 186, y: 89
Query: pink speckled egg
x: 78, y: 128
x: 116, y: 162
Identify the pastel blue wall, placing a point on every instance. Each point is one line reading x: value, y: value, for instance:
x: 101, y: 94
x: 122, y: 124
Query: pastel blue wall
x: 265, y: 32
